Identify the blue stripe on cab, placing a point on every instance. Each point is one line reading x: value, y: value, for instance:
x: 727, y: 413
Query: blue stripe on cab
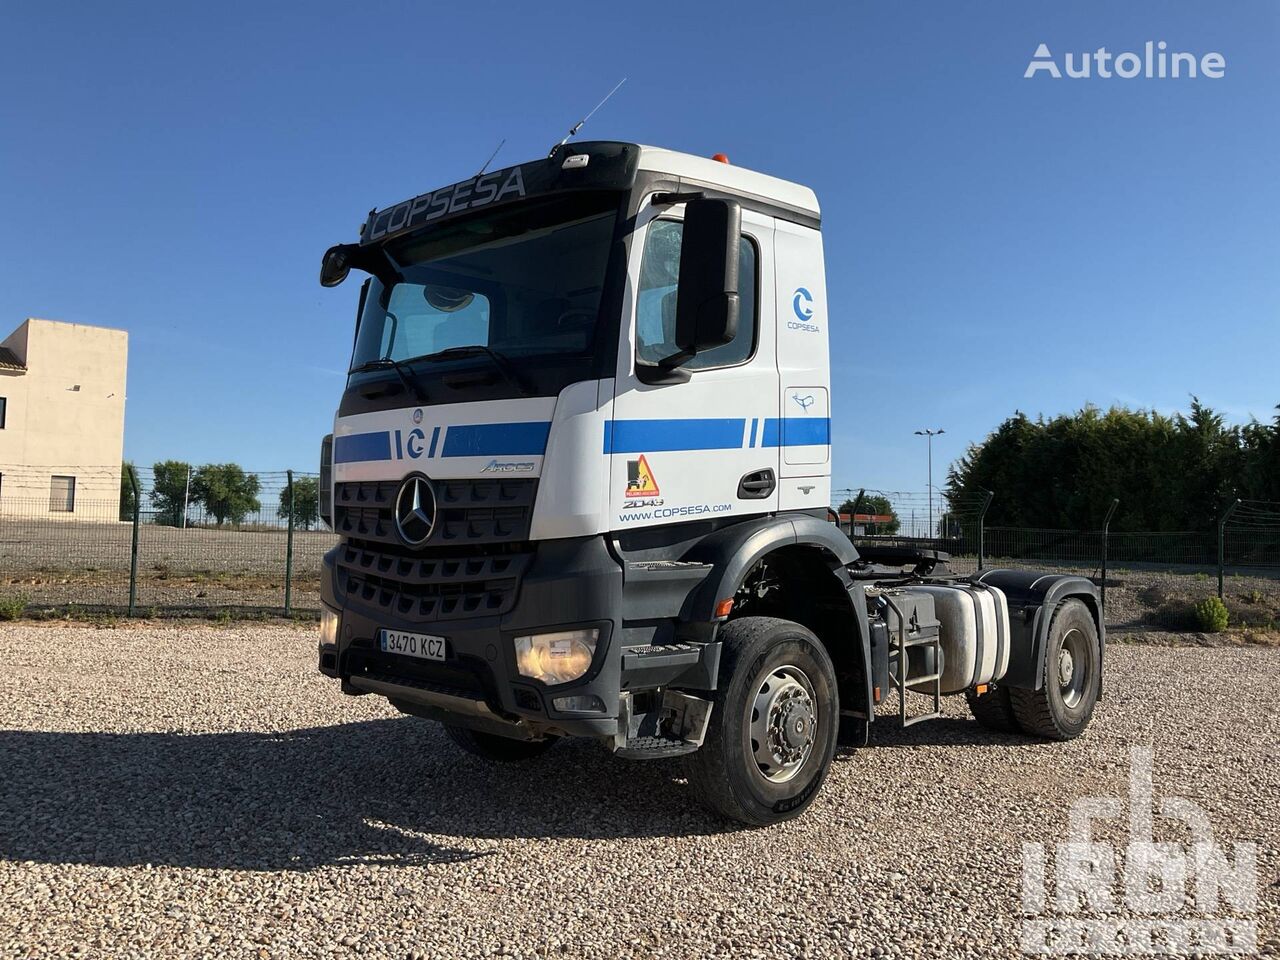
x: 769, y: 432
x: 806, y: 431
x: 797, y: 432
x: 655, y: 436
x: 496, y: 439
x: 360, y: 447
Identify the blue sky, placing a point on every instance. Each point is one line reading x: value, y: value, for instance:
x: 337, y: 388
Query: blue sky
x: 993, y: 242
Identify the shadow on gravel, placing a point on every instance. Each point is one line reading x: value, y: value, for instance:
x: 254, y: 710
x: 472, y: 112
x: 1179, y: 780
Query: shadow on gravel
x: 393, y: 791
x: 942, y: 732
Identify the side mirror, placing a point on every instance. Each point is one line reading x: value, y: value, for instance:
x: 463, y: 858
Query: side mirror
x: 707, y: 296
x: 336, y: 265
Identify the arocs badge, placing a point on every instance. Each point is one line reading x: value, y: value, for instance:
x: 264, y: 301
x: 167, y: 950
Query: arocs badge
x: 640, y: 479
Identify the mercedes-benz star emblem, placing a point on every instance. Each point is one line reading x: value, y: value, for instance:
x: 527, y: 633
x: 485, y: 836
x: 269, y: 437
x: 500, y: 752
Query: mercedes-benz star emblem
x: 415, y: 510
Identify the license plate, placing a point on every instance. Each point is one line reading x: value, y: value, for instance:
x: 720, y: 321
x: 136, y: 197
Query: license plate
x: 420, y: 645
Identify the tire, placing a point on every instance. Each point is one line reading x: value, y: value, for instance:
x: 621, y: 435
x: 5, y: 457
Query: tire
x: 993, y: 710
x: 489, y: 746
x: 1062, y: 707
x: 777, y: 669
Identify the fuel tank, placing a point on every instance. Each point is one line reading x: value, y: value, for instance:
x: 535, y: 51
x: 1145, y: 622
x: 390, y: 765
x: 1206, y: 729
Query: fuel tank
x: 973, y: 628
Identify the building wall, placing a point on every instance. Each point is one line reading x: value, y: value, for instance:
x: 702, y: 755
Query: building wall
x: 64, y: 416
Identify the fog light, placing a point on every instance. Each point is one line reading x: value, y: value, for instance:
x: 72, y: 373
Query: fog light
x: 329, y: 626
x: 587, y: 704
x: 556, y: 657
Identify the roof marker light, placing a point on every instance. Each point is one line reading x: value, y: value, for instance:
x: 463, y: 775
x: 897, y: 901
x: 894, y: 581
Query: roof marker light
x: 719, y: 158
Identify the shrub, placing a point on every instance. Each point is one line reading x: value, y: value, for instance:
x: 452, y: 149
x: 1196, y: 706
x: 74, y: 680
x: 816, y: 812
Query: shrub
x: 1211, y: 615
x: 1175, y: 615
x: 11, y: 608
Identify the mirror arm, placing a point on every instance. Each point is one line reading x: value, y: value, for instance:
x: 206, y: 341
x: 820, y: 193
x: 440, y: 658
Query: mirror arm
x: 665, y: 199
x: 678, y: 359
x: 658, y: 373
x: 374, y: 261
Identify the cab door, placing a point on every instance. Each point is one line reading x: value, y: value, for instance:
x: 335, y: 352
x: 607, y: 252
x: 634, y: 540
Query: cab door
x: 693, y: 450
x: 804, y: 427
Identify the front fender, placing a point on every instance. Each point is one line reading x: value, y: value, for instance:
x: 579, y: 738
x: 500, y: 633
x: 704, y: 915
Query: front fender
x: 733, y: 551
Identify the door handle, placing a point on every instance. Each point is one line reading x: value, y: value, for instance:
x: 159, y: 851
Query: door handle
x: 757, y: 485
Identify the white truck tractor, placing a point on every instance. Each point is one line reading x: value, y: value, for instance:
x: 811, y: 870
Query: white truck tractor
x: 581, y: 473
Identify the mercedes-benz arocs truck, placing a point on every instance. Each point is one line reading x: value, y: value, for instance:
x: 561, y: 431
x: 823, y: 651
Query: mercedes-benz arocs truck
x: 581, y: 474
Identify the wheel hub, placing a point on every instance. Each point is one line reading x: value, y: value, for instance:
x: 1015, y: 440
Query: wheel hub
x: 1073, y: 660
x: 1066, y: 667
x: 783, y: 723
x: 797, y: 718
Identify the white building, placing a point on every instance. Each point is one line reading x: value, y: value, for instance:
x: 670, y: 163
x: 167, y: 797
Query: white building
x: 62, y: 393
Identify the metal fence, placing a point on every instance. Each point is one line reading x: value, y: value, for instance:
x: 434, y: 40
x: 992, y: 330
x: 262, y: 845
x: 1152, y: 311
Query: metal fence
x: 108, y: 555
x: 1246, y: 537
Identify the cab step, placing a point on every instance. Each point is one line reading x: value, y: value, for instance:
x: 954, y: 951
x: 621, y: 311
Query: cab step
x: 654, y: 748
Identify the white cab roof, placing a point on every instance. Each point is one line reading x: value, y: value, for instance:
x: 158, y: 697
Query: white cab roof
x: 736, y: 179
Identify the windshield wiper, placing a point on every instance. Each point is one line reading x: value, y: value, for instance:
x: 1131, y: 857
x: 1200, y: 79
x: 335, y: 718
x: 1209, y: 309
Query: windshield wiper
x: 386, y: 363
x: 500, y: 361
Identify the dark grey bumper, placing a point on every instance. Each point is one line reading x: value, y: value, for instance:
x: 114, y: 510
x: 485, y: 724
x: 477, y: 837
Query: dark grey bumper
x: 568, y: 584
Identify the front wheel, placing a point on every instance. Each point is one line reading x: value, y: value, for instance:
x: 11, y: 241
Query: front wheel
x: 773, y: 726
x: 489, y: 746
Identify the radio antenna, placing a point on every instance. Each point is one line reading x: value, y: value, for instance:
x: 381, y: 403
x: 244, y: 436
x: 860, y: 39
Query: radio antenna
x: 491, y: 156
x: 573, y: 131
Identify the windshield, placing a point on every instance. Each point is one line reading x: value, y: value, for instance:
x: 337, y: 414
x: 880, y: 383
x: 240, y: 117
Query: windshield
x: 524, y: 282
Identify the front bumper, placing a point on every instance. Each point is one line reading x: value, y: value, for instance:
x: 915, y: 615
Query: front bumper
x: 568, y: 584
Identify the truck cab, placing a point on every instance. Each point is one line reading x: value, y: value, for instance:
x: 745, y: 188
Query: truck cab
x: 581, y: 473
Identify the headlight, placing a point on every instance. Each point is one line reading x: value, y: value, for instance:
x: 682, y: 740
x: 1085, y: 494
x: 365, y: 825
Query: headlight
x: 556, y: 657
x: 329, y: 626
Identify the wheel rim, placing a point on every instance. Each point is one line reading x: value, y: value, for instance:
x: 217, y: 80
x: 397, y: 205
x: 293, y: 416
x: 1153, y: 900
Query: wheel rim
x: 784, y: 721
x: 1072, y: 661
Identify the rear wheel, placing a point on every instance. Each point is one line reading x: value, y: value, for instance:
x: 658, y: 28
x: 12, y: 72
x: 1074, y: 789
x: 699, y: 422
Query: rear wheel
x: 492, y: 747
x: 774, y: 724
x: 1071, y: 678
x: 993, y: 709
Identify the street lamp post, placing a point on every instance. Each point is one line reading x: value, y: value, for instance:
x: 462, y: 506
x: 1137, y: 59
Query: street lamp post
x: 930, y: 434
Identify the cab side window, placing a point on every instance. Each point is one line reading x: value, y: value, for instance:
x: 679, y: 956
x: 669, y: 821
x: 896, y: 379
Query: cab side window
x: 656, y: 300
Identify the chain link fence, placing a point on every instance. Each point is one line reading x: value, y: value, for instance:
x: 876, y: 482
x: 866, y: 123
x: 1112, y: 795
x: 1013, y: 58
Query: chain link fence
x: 241, y: 549
x: 1246, y: 538
x: 187, y: 546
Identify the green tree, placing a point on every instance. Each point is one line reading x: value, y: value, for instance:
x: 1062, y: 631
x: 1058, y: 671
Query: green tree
x: 169, y: 491
x: 1169, y: 473
x: 874, y: 503
x: 226, y: 491
x: 1261, y: 459
x: 306, y: 502
x: 128, y: 502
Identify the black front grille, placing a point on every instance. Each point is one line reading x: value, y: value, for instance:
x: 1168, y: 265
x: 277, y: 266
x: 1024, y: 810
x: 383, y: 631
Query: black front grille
x: 467, y: 511
x: 430, y: 586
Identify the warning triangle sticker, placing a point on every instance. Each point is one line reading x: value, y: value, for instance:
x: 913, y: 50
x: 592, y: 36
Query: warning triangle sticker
x: 640, y: 479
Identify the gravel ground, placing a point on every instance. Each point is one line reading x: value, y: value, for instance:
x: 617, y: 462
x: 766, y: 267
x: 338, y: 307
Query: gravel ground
x: 182, y: 791
x: 198, y: 593
x: 1135, y: 597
